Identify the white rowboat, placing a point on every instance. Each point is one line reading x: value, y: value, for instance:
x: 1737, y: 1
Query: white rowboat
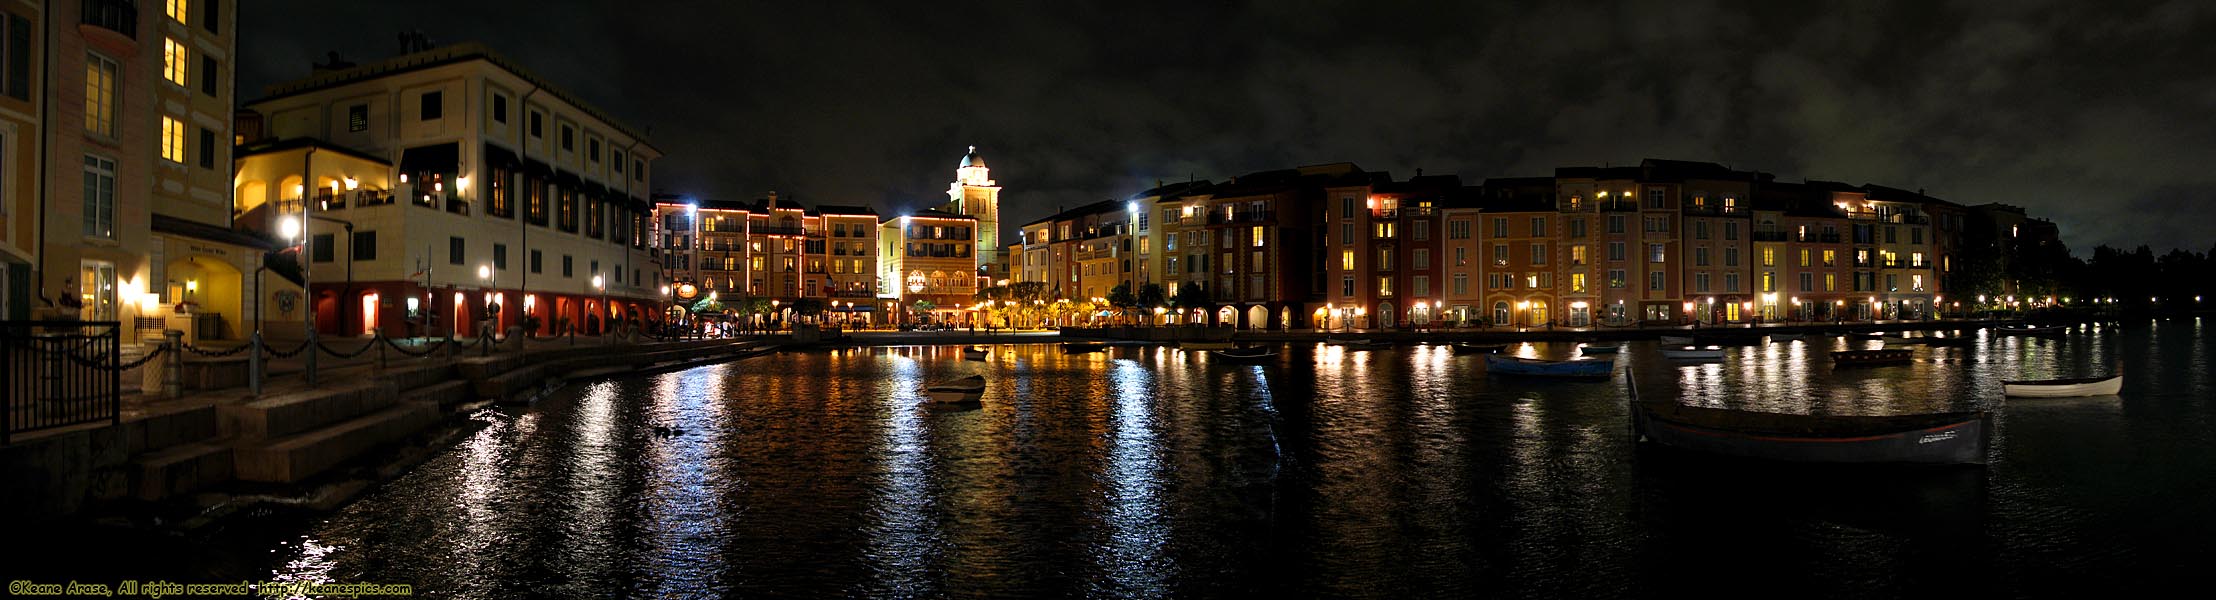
x: 966, y: 389
x: 1693, y: 353
x: 2065, y: 388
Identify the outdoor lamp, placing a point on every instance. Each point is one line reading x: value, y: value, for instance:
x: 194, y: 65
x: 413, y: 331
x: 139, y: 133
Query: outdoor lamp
x: 289, y: 228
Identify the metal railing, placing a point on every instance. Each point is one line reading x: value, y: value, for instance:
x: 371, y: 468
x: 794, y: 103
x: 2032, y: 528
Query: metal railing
x: 60, y: 373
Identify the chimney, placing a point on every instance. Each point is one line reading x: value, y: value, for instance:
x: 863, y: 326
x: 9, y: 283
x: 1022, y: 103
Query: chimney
x: 334, y: 63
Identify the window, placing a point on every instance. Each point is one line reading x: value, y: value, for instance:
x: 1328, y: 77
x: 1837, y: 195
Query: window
x: 1916, y: 259
x: 1500, y: 228
x: 535, y: 261
x: 173, y: 139
x: 18, y: 57
x: 1616, y: 278
x: 357, y: 118
x: 1831, y: 258
x: 1423, y: 230
x: 569, y: 141
x: 1500, y: 255
x: 1831, y: 282
x: 1731, y: 282
x: 1458, y: 229
x: 173, y: 61
x: 433, y: 106
x: 1538, y: 226
x: 1384, y: 286
x: 1461, y: 256
x: 178, y: 9
x: 1538, y: 254
x: 567, y: 263
x: 1654, y: 197
x: 1657, y: 253
x: 1769, y: 257
x: 1700, y: 282
x: 208, y: 76
x: 1616, y: 223
x: 1420, y: 285
x: 1577, y: 228
x: 207, y: 149
x: 1346, y: 233
x: 1700, y: 230
x: 1700, y: 256
x: 1769, y: 281
x: 1892, y: 234
x: 1258, y: 236
x: 1916, y: 235
x: 1346, y: 260
x: 1461, y: 284
x: 1804, y: 257
x: 1422, y: 258
x: 209, y: 13
x: 1731, y: 230
x: 1917, y: 281
x: 1807, y: 282
x: 365, y: 246
x: 1656, y: 282
x: 638, y: 169
x: 592, y: 150
x: 1346, y: 207
x: 499, y: 109
x: 1577, y: 255
x: 1346, y: 286
x: 500, y: 256
x: 99, y: 197
x: 1616, y: 251
x: 1731, y: 256
x: 100, y: 94
x: 320, y: 248
x: 455, y: 250
x: 1577, y: 282
x: 534, y: 124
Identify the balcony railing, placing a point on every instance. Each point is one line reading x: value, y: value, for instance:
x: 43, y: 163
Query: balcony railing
x: 120, y: 16
x: 1769, y: 236
x: 1619, y: 206
x: 778, y: 230
x: 853, y: 294
x: 1251, y: 216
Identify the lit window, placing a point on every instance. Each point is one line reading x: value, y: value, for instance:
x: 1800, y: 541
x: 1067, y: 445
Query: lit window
x: 1346, y: 260
x: 173, y: 61
x: 179, y: 9
x: 1258, y: 236
x: 100, y: 76
x: 173, y: 139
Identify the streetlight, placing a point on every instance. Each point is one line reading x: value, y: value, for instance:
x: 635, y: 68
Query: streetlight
x: 484, y: 277
x: 601, y: 286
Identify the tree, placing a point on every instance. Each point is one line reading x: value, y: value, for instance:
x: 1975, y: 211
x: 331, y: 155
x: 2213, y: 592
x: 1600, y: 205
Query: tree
x: 1191, y: 296
x: 1150, y: 296
x: 809, y: 307
x: 1122, y: 298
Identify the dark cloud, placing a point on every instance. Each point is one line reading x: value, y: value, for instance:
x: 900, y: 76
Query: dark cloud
x: 2094, y: 114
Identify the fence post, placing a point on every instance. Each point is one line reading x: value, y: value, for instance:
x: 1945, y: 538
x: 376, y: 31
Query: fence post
x: 377, y: 337
x: 254, y: 364
x: 173, y: 365
x: 311, y: 349
x: 449, y: 346
x: 484, y: 338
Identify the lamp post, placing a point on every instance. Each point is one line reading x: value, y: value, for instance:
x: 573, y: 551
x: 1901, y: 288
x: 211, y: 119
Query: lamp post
x: 601, y: 286
x: 485, y: 281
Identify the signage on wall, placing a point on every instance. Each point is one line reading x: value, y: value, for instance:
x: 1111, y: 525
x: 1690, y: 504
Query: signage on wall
x: 687, y: 291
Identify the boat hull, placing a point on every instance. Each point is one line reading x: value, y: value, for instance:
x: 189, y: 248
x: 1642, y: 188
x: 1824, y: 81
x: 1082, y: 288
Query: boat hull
x: 1576, y: 369
x: 1676, y: 339
x: 1963, y: 442
x: 1207, y: 345
x: 1241, y: 357
x: 973, y: 354
x: 1599, y: 349
x: 954, y: 396
x: 2034, y: 389
x: 1694, y: 354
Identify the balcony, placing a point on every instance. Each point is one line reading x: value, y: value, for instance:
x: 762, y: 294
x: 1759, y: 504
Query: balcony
x: 1715, y: 210
x: 777, y: 230
x: 1251, y: 216
x: 1385, y: 213
x: 853, y: 294
x: 1769, y: 236
x: 1903, y: 218
x: 1619, y: 206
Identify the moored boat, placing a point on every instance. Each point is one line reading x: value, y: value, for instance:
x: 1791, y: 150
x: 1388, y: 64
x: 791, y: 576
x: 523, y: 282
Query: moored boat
x: 1882, y: 356
x: 974, y: 353
x: 2064, y: 388
x: 1599, y: 348
x: 1675, y: 340
x: 1460, y: 349
x: 1083, y: 347
x: 1562, y: 369
x: 966, y: 389
x: 1784, y: 337
x: 2048, y: 330
x: 1243, y: 354
x: 1694, y: 353
x: 1940, y: 438
x: 1224, y: 345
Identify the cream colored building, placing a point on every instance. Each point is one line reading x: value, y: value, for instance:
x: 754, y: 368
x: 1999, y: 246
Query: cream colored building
x: 504, y: 195
x: 22, y: 100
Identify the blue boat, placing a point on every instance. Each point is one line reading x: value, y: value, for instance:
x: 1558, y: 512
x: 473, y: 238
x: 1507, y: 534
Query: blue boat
x: 1559, y: 369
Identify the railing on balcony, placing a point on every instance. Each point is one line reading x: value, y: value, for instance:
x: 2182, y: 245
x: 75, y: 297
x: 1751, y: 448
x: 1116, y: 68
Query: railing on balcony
x: 372, y: 197
x: 1714, y: 210
x: 853, y: 294
x: 1619, y: 206
x: 1769, y: 236
x: 461, y: 207
x: 778, y: 230
x: 1387, y: 213
x: 120, y: 16
x: 1904, y: 218
x: 1250, y: 216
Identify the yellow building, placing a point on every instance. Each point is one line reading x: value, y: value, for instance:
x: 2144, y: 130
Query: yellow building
x: 22, y: 99
x: 930, y: 257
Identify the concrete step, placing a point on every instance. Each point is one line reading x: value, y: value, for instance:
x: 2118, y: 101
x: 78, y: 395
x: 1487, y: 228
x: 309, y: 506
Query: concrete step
x: 297, y: 457
x: 445, y: 394
x: 180, y: 469
x: 297, y: 411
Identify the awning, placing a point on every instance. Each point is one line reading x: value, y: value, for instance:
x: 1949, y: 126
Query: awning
x: 435, y: 158
x: 535, y: 167
x: 496, y: 156
x: 568, y: 180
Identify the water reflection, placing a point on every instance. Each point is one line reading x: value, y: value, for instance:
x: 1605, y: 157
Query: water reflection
x: 1143, y: 472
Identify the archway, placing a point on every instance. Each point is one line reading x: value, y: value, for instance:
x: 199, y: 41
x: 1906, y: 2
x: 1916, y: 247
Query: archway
x: 209, y: 289
x: 1227, y: 316
x: 1500, y: 313
x: 1285, y: 317
x: 370, y: 302
x: 1322, y: 319
x: 1258, y: 317
x: 1538, y: 313
x: 1385, y: 315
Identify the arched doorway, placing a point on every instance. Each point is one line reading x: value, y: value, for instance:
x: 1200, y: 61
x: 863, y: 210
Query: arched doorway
x: 1500, y: 313
x: 1322, y: 319
x: 1420, y: 315
x: 1258, y: 317
x: 208, y: 288
x: 1385, y: 313
x: 1538, y: 313
x: 1227, y: 316
x: 370, y: 303
x: 1285, y: 318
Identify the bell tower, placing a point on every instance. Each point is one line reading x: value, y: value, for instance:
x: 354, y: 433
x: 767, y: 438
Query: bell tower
x: 974, y: 193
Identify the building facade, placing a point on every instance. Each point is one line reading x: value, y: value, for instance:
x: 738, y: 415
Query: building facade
x: 511, y: 203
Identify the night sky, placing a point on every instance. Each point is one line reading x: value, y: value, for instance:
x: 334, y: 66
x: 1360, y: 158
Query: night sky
x: 2100, y: 115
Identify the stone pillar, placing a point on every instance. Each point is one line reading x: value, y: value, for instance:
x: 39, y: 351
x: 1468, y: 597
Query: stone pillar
x: 173, y: 363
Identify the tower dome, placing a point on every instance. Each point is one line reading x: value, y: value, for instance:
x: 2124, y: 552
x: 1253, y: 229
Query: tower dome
x: 972, y: 159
